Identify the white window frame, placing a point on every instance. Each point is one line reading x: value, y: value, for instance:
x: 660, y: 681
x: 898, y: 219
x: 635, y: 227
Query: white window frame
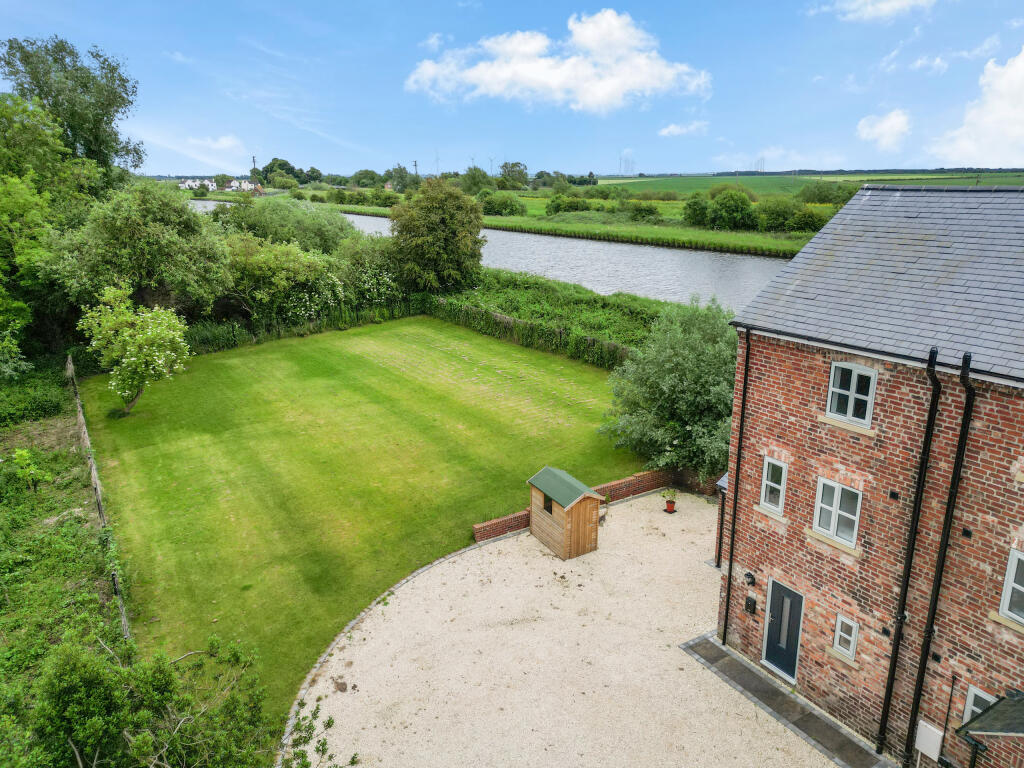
x: 974, y: 693
x: 831, y: 533
x: 768, y: 460
x: 856, y: 369
x: 853, y: 635
x: 1016, y: 556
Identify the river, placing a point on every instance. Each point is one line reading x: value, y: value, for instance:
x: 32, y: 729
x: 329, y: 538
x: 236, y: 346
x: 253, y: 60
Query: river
x: 672, y: 274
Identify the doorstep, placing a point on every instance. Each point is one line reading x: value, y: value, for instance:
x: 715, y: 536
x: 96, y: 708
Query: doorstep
x: 832, y: 740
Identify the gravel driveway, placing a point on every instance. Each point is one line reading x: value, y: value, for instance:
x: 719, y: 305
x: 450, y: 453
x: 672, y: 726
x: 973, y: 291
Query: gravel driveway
x: 505, y: 655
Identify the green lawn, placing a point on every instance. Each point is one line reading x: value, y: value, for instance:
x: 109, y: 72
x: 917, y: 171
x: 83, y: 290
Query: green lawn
x: 271, y: 492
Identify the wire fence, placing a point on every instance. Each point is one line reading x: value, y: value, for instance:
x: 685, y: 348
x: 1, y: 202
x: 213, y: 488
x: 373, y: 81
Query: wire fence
x: 97, y: 489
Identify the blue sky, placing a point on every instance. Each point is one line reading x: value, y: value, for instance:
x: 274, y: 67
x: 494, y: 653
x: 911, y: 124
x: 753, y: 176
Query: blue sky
x: 667, y: 86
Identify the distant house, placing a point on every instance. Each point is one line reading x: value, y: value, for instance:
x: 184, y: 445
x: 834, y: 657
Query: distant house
x: 244, y: 186
x: 188, y: 184
x: 876, y: 480
x: 388, y: 186
x: 210, y: 184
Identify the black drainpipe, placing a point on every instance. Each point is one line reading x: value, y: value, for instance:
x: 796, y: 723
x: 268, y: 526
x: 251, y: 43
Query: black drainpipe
x: 721, y: 528
x: 734, y: 481
x: 908, y: 558
x: 940, y: 564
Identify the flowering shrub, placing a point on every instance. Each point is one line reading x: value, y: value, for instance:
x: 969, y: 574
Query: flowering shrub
x: 140, y: 345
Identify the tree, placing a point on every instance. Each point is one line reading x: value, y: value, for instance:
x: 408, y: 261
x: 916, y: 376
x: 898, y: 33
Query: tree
x: 515, y: 173
x: 731, y: 209
x: 401, y: 180
x: 474, y: 179
x: 695, y: 209
x: 201, y: 191
x: 436, y: 238
x: 717, y: 189
x: 365, y: 178
x: 222, y: 180
x: 501, y: 203
x: 805, y: 220
x: 773, y: 212
x: 147, y: 240
x: 86, y: 97
x: 313, y: 174
x: 282, y: 180
x: 140, y: 346
x: 672, y: 400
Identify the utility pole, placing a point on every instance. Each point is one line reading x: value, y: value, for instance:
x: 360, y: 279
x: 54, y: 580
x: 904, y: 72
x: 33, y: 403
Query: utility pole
x: 415, y: 169
x: 490, y: 171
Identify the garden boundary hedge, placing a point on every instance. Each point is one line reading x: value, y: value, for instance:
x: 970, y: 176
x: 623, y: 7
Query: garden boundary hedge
x: 107, y: 536
x: 527, y: 333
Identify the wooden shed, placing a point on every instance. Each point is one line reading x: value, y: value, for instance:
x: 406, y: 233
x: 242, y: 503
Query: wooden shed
x: 563, y: 513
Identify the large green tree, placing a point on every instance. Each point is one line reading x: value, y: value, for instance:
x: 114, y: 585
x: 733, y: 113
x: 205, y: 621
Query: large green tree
x: 436, y: 237
x: 515, y: 174
x: 474, y: 179
x: 672, y: 400
x: 87, y: 95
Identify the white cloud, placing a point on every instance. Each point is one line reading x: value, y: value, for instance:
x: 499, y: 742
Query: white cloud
x: 851, y: 85
x: 888, y: 62
x: 934, y: 64
x: 817, y: 78
x: 432, y: 42
x: 872, y: 10
x: 983, y: 50
x: 885, y: 131
x: 605, y: 62
x: 992, y: 132
x: 692, y: 128
x: 178, y: 57
x: 1015, y: 23
x: 220, y: 153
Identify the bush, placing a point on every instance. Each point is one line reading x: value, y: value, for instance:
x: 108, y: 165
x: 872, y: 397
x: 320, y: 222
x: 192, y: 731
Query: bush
x: 297, y: 194
x: 718, y: 189
x: 200, y: 191
x: 38, y: 394
x: 774, y: 212
x: 280, y: 220
x: 672, y: 400
x: 805, y: 220
x: 695, y: 209
x: 731, y: 209
x: 437, y: 239
x: 836, y: 193
x: 384, y: 198
x: 316, y: 197
x: 501, y: 203
x: 565, y: 203
x: 641, y: 211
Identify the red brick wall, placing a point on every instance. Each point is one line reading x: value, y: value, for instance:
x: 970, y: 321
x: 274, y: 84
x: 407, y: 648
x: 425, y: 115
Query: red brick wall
x: 787, y: 392
x: 501, y: 525
x: 641, y: 482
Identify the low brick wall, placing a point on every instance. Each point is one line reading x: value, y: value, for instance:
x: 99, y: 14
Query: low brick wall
x: 502, y: 525
x: 616, y: 490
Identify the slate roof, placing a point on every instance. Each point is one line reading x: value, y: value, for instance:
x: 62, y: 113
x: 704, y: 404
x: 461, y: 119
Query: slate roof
x: 1004, y: 718
x: 901, y: 269
x: 560, y: 486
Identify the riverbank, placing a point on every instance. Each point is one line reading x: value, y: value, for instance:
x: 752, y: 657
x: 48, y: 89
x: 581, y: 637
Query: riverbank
x: 691, y: 238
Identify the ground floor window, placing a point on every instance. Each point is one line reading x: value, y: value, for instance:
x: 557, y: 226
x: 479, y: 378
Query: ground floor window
x: 845, y: 640
x: 547, y: 504
x: 1013, y: 589
x: 977, y: 702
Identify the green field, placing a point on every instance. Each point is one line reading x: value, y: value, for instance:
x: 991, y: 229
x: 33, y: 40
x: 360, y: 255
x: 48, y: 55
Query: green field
x: 789, y: 184
x: 271, y: 492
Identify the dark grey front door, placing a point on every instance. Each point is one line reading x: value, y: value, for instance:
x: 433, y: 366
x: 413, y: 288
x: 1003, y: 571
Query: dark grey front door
x: 782, y: 639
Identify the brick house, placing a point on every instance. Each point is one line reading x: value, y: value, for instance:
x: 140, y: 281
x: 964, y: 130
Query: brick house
x: 876, y: 486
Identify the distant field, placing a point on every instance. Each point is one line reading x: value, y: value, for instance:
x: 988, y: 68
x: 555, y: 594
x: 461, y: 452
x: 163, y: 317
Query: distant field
x: 787, y: 185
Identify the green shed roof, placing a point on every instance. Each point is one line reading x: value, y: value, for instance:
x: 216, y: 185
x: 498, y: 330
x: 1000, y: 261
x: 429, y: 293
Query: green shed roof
x: 561, y: 486
x: 1004, y: 718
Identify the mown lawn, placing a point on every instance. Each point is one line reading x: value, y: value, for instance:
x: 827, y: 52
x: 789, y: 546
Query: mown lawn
x: 271, y: 492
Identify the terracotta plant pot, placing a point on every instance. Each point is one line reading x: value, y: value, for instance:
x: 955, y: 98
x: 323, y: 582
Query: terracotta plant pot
x: 670, y: 505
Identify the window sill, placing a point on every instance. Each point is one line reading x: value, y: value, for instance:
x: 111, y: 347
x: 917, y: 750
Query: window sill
x: 998, y: 618
x: 813, y: 535
x: 770, y: 513
x: 857, y: 430
x: 843, y: 658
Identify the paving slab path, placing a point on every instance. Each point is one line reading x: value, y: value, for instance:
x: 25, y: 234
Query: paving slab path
x: 506, y: 655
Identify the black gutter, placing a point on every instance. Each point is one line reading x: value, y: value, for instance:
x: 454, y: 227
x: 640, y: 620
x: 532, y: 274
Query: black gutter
x: 900, y: 617
x: 721, y: 528
x: 940, y: 564
x: 870, y: 351
x: 735, y: 482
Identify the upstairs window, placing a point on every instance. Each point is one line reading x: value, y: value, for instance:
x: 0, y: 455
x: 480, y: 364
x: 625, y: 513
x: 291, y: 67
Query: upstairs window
x: 1012, y: 606
x: 977, y: 702
x: 547, y: 504
x: 845, y: 639
x: 851, y: 393
x: 773, y: 485
x: 837, y: 512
